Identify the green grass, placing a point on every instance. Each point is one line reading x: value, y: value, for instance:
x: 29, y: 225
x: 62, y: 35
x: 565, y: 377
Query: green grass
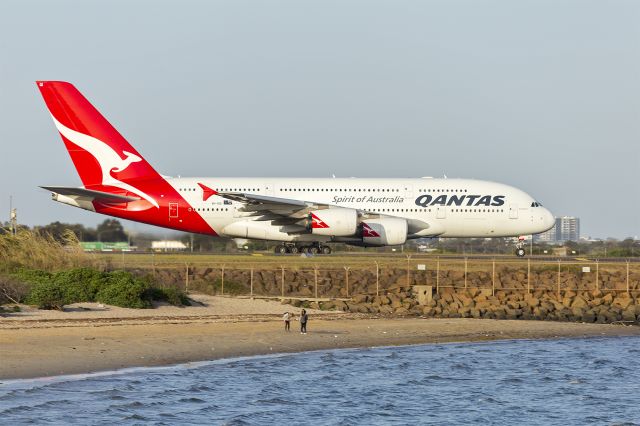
x: 339, y: 261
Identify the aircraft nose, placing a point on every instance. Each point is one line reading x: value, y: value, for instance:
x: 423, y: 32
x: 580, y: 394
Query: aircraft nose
x: 548, y: 219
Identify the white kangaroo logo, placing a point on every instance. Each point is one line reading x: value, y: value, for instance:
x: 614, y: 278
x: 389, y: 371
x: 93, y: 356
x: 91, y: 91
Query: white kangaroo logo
x: 108, y: 158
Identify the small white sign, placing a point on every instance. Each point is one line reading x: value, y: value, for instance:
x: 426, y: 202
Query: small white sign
x: 586, y: 269
x: 422, y: 267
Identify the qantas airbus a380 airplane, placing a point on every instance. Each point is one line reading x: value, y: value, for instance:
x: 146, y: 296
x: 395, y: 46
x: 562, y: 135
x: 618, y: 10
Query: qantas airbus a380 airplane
x: 304, y: 214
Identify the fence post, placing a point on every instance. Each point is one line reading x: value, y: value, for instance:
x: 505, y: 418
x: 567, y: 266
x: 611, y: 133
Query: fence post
x: 222, y: 282
x: 123, y: 260
x: 528, y: 275
x: 252, y: 282
x: 597, y: 275
x: 153, y: 263
x: 627, y: 276
x: 346, y: 278
x: 408, y: 270
x: 465, y: 272
x: 558, y: 278
x: 186, y: 278
x: 282, y: 284
x: 377, y: 279
x: 315, y: 281
x: 438, y: 275
x: 493, y: 277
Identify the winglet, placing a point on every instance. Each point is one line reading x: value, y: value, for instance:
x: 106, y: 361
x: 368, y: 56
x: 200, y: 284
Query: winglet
x: 206, y: 191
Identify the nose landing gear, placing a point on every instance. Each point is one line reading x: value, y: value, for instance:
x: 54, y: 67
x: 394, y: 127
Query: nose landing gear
x: 520, y: 251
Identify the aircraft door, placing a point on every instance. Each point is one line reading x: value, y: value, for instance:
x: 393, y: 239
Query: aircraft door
x: 173, y: 210
x: 408, y: 191
x: 441, y: 212
x: 513, y: 211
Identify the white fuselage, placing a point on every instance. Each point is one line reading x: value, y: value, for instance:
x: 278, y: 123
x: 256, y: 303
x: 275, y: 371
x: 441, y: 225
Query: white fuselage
x: 452, y: 207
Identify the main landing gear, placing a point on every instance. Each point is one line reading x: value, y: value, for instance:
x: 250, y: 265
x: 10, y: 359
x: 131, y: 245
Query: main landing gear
x: 314, y: 248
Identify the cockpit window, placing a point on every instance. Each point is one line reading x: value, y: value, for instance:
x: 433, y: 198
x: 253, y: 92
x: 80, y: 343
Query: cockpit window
x: 536, y: 204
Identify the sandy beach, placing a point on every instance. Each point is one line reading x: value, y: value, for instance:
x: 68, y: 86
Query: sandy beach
x: 92, y: 338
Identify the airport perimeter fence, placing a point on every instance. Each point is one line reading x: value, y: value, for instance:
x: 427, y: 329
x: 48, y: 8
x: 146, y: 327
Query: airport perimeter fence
x: 280, y: 279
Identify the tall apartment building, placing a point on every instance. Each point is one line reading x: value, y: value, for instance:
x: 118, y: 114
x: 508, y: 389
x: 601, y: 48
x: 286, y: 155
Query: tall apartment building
x: 547, y: 236
x: 567, y: 228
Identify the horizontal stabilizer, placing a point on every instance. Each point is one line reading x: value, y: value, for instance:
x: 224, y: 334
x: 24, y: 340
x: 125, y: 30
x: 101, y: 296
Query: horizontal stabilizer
x: 88, y: 193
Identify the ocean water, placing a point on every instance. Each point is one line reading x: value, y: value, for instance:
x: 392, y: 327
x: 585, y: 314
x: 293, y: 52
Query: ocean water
x: 568, y: 382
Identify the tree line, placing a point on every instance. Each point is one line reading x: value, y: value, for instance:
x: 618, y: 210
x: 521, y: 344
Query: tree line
x: 111, y: 230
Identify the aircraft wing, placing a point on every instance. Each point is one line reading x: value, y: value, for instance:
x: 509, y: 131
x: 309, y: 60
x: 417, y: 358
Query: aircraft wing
x: 89, y: 194
x: 282, y: 211
x: 286, y: 211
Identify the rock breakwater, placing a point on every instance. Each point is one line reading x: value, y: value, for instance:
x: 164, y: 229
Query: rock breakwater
x: 587, y: 306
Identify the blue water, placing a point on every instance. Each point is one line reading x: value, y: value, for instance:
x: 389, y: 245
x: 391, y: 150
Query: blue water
x: 576, y: 381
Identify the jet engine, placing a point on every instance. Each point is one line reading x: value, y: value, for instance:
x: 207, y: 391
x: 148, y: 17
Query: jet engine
x: 334, y: 221
x: 384, y: 231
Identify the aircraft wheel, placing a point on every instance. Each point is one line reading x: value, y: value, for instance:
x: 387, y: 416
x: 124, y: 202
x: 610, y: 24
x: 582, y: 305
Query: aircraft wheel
x: 281, y: 250
x: 520, y: 252
x: 326, y: 250
x: 313, y: 250
x: 293, y: 250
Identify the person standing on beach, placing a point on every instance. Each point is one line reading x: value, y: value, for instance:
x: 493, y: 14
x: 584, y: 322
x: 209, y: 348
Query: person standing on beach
x: 303, y: 322
x: 287, y: 321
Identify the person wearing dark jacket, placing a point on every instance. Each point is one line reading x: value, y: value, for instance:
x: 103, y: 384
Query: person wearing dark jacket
x: 303, y: 322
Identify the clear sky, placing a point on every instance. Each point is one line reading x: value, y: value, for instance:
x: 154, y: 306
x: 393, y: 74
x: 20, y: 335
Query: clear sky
x: 542, y: 95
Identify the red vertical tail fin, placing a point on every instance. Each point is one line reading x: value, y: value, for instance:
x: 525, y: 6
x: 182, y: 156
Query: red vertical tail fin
x: 107, y: 163
x: 102, y: 157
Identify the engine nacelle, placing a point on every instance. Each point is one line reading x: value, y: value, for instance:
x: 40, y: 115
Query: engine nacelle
x: 334, y: 221
x: 384, y: 231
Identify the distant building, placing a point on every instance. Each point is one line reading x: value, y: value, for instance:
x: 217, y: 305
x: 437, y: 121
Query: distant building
x: 168, y: 245
x: 547, y: 236
x: 106, y: 246
x: 567, y: 228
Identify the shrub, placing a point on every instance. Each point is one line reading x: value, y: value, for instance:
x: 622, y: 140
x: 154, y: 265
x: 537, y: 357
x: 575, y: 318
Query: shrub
x: 124, y: 290
x: 32, y: 276
x: 46, y: 295
x: 12, y: 290
x: 171, y: 295
x: 80, y: 285
x: 119, y: 288
x: 53, y: 291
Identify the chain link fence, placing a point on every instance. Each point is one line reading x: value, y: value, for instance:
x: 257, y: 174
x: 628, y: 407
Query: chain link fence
x: 333, y: 280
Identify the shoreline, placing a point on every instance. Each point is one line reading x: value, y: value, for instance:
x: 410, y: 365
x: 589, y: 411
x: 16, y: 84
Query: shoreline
x: 197, y: 364
x: 66, y: 349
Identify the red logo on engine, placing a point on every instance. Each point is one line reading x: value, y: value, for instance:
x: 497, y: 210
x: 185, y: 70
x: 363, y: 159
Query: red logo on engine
x: 316, y: 222
x: 367, y: 232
